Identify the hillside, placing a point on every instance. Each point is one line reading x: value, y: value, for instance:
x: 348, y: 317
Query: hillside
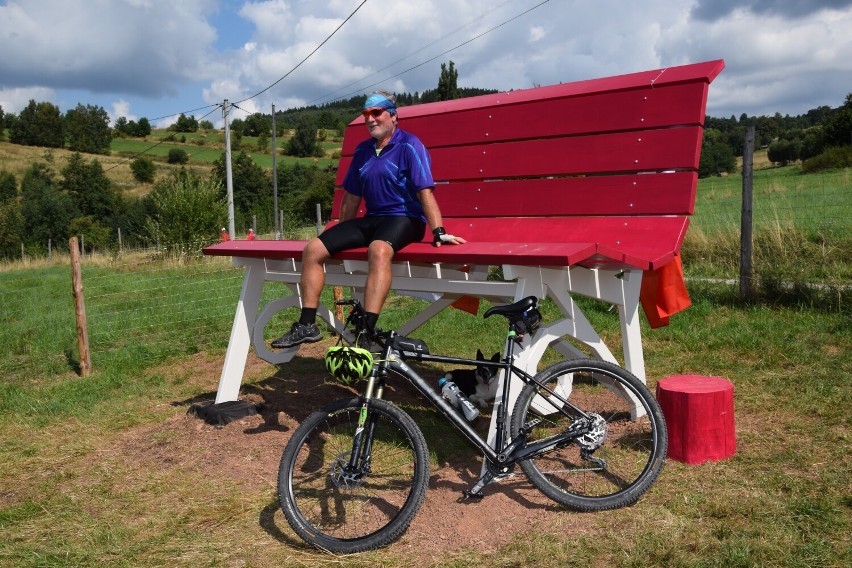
x: 202, y: 147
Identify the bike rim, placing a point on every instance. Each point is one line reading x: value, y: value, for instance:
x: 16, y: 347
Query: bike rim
x: 345, y: 506
x: 620, y: 453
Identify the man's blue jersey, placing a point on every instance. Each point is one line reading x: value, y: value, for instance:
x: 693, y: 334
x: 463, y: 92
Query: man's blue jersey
x: 389, y: 182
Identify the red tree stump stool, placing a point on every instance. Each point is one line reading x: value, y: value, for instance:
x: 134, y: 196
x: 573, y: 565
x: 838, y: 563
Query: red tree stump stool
x: 699, y: 413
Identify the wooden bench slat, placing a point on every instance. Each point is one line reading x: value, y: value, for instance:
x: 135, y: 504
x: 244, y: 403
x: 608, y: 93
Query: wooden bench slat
x: 590, y: 114
x: 490, y: 253
x: 258, y: 248
x: 637, y: 242
x: 622, y: 152
x: 637, y: 194
x: 676, y: 95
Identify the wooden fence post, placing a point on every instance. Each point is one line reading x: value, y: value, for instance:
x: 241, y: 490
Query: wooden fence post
x: 746, y: 253
x: 80, y: 308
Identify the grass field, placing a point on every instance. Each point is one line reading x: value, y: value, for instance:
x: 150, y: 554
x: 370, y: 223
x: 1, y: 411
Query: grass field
x: 109, y: 470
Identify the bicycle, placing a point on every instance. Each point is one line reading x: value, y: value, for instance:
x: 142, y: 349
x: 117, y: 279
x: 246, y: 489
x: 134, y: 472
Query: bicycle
x: 586, y: 433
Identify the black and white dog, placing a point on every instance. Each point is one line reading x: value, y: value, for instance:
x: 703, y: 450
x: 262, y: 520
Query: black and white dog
x: 479, y: 384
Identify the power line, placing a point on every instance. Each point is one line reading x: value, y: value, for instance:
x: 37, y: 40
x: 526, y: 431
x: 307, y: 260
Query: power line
x: 413, y: 53
x: 163, y: 141
x: 352, y: 93
x: 337, y: 29
x: 214, y: 105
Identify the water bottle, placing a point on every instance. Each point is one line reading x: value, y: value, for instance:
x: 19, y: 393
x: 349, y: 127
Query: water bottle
x: 452, y: 393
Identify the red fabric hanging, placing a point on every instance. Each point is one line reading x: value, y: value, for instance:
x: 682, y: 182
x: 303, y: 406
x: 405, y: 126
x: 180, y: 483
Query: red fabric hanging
x: 663, y: 293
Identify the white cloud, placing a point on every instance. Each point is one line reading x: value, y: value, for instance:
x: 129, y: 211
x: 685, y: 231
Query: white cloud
x: 161, y: 55
x: 15, y: 99
x: 537, y: 33
x: 120, y: 47
x: 121, y: 108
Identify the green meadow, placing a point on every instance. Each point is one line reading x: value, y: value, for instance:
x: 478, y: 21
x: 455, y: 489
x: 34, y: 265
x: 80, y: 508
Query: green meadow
x: 109, y: 469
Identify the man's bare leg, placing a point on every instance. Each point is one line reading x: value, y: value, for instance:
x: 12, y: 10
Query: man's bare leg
x: 379, y: 276
x: 312, y: 280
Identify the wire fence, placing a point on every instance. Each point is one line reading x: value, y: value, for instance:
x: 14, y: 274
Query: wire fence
x: 811, y: 203
x: 138, y: 304
x: 144, y: 303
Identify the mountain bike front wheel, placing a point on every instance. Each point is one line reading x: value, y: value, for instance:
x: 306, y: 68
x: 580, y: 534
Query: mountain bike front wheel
x: 344, y: 509
x: 624, y: 439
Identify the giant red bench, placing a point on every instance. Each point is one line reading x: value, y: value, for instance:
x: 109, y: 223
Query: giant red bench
x: 573, y: 189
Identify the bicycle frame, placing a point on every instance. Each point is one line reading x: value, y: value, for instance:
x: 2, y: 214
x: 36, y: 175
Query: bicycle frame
x: 504, y: 453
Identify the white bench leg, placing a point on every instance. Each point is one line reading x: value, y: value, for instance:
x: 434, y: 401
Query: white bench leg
x: 241, y: 332
x: 631, y: 333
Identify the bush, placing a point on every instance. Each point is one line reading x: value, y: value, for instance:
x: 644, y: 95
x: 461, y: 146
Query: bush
x: 188, y: 213
x: 178, y: 156
x: 143, y: 170
x: 830, y: 159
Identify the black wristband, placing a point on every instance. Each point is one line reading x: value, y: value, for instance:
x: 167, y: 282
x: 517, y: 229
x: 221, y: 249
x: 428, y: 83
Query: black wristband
x: 436, y: 233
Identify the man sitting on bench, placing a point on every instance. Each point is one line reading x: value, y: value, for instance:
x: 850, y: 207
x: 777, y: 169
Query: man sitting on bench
x: 392, y: 172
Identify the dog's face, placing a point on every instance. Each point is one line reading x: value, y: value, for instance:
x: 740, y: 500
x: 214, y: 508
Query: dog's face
x: 486, y: 374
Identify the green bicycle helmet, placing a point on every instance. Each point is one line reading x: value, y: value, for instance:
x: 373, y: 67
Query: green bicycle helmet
x: 348, y: 364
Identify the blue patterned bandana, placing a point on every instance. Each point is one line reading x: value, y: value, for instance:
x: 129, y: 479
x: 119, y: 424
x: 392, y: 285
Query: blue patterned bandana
x: 377, y: 100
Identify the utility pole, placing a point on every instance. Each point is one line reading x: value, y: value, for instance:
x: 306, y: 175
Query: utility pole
x: 278, y: 230
x: 229, y: 175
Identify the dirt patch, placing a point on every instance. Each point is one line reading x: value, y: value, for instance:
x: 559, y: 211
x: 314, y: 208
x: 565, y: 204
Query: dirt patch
x: 245, y: 454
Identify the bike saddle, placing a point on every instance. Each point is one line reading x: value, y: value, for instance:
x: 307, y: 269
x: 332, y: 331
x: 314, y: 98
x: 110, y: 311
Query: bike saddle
x: 513, y: 311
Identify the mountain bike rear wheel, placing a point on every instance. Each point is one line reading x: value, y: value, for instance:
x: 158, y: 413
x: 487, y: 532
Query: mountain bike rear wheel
x: 625, y: 440
x: 342, y: 509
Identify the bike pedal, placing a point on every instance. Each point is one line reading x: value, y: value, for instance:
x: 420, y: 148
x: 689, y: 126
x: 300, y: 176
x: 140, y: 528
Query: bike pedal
x: 468, y: 494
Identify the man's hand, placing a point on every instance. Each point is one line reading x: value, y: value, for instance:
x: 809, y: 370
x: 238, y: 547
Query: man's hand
x: 442, y: 238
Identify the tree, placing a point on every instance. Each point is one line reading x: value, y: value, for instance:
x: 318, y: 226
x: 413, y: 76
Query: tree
x: 838, y: 126
x: 257, y: 124
x: 39, y: 124
x: 11, y: 228
x: 302, y: 187
x: 131, y: 215
x: 143, y: 169
x: 95, y: 234
x: 716, y: 155
x: 251, y: 185
x: 784, y: 151
x: 8, y: 186
x: 120, y: 125
x: 185, y: 124
x: 140, y: 129
x: 188, y: 212
x: 2, y: 123
x: 89, y: 187
x: 87, y: 128
x: 304, y: 142
x: 813, y: 143
x: 47, y: 210
x: 448, y: 82
x: 11, y: 220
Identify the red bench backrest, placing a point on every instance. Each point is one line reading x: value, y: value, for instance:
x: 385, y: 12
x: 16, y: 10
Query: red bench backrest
x: 611, y: 147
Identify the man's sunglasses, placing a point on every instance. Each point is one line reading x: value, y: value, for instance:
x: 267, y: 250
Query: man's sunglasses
x: 374, y: 112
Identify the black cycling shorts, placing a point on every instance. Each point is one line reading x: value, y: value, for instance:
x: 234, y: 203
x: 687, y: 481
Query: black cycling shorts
x: 361, y: 231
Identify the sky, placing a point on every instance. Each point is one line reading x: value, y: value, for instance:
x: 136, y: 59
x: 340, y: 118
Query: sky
x: 158, y: 58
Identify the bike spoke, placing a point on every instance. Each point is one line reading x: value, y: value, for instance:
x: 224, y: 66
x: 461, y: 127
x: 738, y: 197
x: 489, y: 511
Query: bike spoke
x: 618, y: 451
x: 339, y: 507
